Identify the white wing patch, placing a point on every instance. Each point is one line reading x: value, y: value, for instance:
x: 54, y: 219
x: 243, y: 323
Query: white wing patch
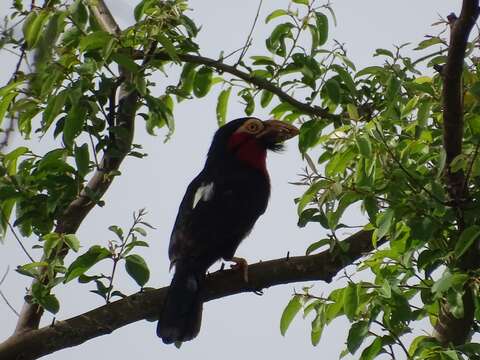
x: 204, y: 192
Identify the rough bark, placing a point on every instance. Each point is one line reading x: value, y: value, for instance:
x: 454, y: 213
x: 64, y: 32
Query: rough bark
x: 448, y: 328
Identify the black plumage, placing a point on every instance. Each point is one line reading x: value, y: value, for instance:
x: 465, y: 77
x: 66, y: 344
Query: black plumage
x: 217, y: 212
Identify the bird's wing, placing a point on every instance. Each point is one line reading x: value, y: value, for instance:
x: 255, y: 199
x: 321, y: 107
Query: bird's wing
x: 196, y: 203
x: 215, y: 215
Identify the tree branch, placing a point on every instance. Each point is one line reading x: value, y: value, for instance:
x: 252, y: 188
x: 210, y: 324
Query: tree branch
x: 140, y: 306
x: 101, y: 180
x: 448, y: 328
x: 255, y: 80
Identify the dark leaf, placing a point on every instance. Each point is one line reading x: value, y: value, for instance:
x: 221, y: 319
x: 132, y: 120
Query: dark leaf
x: 137, y: 268
x: 356, y: 335
x: 84, y: 262
x: 202, y: 82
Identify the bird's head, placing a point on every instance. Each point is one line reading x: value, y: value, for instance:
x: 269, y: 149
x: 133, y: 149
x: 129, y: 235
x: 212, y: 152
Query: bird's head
x: 248, y: 139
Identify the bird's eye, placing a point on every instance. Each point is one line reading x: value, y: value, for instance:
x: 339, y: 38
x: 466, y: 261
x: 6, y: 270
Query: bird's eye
x: 253, y: 127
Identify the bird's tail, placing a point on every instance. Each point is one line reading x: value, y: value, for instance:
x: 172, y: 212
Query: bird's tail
x: 181, y: 315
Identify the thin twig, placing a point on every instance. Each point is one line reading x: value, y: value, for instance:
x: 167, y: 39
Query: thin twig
x: 3, y: 296
x: 16, y: 236
x: 4, y: 275
x: 8, y: 303
x: 423, y: 58
x: 395, y: 336
x: 470, y: 167
x: 249, y: 37
x: 409, y: 175
x: 95, y: 158
x: 118, y: 255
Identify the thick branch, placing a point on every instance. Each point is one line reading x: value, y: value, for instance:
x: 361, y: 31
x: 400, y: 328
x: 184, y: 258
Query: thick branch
x: 453, y: 92
x: 255, y: 80
x: 101, y: 180
x: 448, y: 328
x: 105, y: 319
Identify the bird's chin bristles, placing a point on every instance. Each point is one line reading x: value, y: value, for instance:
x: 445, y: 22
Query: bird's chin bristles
x: 278, y: 147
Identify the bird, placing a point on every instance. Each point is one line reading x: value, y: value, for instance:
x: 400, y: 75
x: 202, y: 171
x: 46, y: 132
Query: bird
x: 218, y: 210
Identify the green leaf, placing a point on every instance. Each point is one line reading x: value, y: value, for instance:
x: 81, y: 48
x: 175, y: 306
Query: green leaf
x: 384, y: 52
x: 333, y: 90
x: 74, y: 123
x: 364, y: 146
x: 309, y: 195
x: 138, y: 11
x: 429, y: 42
x: 353, y: 112
x: 169, y: 47
x: 449, y: 354
x: 4, y: 90
x: 84, y: 262
x: 50, y: 303
x: 42, y: 296
x: 54, y: 108
x: 276, y: 42
x: 274, y: 14
x: 265, y: 98
x: 82, y: 159
x: 72, y: 242
x: 447, y: 281
x: 384, y: 222
x: 356, y: 335
x: 318, y: 324
x: 126, y: 62
x: 79, y: 13
x: 309, y: 134
x: 466, y: 240
x: 117, y: 231
x: 140, y: 231
x: 137, y: 268
x: 372, y: 350
x: 292, y: 308
x: 393, y: 90
x: 455, y: 302
x: 5, y: 103
x: 222, y: 106
x: 51, y: 241
x: 249, y: 102
x: 32, y: 27
x: 370, y: 70
x: 186, y: 80
x: 10, y: 159
x: 409, y: 107
x: 302, y: 2
x: 6, y: 208
x: 202, y: 82
x: 322, y: 27
x: 350, y: 301
x: 95, y: 40
x: 317, y: 245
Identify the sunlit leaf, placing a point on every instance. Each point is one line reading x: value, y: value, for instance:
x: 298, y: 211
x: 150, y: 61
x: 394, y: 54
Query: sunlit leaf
x: 292, y: 309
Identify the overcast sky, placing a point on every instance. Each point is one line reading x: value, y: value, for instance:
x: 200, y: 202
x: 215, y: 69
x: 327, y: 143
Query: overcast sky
x: 242, y: 326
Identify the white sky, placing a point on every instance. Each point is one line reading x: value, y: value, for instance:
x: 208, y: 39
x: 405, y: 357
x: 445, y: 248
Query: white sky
x: 242, y: 326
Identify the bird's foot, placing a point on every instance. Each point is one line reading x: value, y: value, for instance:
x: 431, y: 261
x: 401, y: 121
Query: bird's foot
x: 242, y: 265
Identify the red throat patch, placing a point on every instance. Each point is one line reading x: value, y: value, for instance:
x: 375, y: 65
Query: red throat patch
x: 248, y: 150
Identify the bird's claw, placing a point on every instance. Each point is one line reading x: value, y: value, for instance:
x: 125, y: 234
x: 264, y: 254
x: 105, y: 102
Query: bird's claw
x: 242, y: 265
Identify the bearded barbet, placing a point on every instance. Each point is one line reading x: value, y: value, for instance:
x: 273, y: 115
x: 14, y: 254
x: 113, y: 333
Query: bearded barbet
x: 217, y: 212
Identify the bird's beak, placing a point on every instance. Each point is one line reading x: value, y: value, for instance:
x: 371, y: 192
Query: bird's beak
x: 276, y: 131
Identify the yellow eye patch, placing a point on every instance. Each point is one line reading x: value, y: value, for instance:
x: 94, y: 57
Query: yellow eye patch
x: 252, y: 126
